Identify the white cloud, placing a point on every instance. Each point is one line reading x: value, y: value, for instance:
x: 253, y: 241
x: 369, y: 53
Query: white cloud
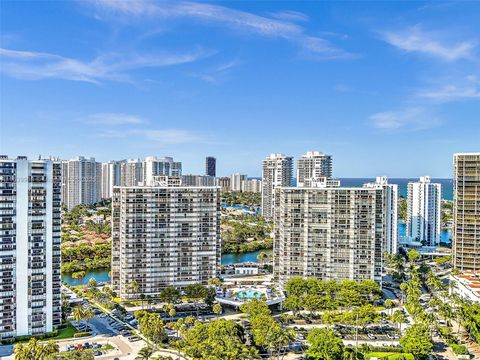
x: 215, y: 14
x: 114, y: 67
x: 411, y: 119
x: 414, y: 39
x: 114, y: 119
x: 463, y: 89
x: 289, y: 15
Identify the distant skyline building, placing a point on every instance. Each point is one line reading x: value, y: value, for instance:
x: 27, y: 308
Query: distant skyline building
x: 252, y: 185
x: 111, y: 176
x: 155, y: 166
x: 312, y: 167
x: 424, y: 200
x: 81, y: 181
x: 329, y: 233
x: 277, y: 170
x: 210, y: 166
x: 236, y: 181
x: 466, y: 211
x: 30, y: 278
x: 198, y: 180
x: 390, y: 245
x: 224, y: 183
x: 131, y: 172
x: 164, y: 236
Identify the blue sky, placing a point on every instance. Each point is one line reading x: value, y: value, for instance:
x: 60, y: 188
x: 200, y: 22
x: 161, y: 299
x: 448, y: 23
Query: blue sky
x: 388, y: 88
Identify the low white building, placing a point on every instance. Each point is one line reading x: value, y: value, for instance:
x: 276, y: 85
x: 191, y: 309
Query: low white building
x: 246, y: 268
x: 467, y: 285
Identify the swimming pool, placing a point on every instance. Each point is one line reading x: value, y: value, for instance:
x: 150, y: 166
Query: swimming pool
x: 249, y: 294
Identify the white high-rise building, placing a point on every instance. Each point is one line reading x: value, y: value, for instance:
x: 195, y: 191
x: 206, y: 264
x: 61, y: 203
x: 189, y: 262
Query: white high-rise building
x: 423, y: 211
x: 81, y: 181
x: 312, y: 168
x: 236, y: 181
x: 276, y: 171
x: 329, y: 233
x: 154, y: 166
x: 131, y: 172
x: 164, y: 236
x: 30, y: 220
x: 390, y: 245
x: 111, y: 176
x: 252, y: 185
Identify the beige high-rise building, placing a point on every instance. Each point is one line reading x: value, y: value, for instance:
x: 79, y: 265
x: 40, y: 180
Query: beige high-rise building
x: 252, y: 185
x: 223, y: 183
x: 164, y: 236
x: 131, y: 172
x: 329, y: 233
x: 466, y: 211
x: 81, y: 181
x: 276, y: 171
x: 312, y: 167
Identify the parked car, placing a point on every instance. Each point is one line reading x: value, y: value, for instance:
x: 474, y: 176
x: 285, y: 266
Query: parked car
x: 371, y: 336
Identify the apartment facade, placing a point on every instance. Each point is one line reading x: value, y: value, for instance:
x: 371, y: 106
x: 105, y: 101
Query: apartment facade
x: 154, y: 166
x: 391, y: 213
x: 312, y: 167
x: 164, y: 236
x: 277, y: 171
x: 329, y: 233
x: 236, y: 181
x: 131, y: 172
x: 30, y: 279
x: 466, y: 211
x: 252, y: 185
x: 210, y: 166
x: 111, y: 176
x: 424, y: 201
x: 81, y: 181
x: 198, y: 180
x: 223, y: 182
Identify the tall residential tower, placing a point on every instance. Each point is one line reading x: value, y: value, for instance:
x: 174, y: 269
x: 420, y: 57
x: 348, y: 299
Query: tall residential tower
x: 276, y: 171
x: 466, y: 210
x: 30, y: 279
x: 164, y: 236
x: 390, y: 245
x: 423, y: 211
x: 329, y: 233
x: 312, y: 167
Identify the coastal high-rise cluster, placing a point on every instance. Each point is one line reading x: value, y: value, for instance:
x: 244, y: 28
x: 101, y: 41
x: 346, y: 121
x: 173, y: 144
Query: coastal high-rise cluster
x: 30, y: 279
x: 323, y: 230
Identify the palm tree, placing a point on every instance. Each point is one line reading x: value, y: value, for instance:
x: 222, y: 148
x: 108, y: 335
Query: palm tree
x: 22, y: 352
x: 79, y: 314
x: 390, y: 304
x: 146, y: 353
x: 398, y: 317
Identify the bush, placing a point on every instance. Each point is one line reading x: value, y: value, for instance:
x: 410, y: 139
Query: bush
x: 82, y: 334
x: 459, y: 349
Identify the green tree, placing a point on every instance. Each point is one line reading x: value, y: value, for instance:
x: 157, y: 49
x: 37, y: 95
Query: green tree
x: 390, y: 304
x: 216, y: 340
x: 170, y: 295
x: 324, y: 344
x: 151, y: 326
x: 413, y: 255
x: 217, y: 309
x: 92, y: 283
x: 293, y: 303
x: 34, y: 350
x: 146, y: 353
x: 255, y: 307
x: 417, y: 341
x: 268, y: 333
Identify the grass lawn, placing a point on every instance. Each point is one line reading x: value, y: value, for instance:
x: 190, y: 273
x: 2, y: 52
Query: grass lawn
x: 66, y: 333
x: 391, y: 355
